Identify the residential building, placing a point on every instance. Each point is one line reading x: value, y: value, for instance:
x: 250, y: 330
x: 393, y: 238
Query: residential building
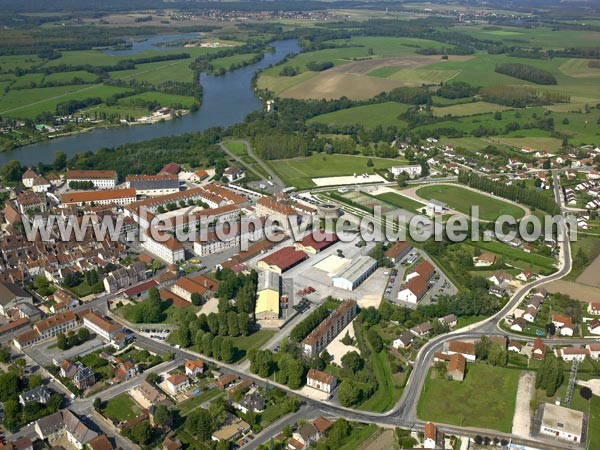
x: 466, y: 349
x: 500, y: 278
x: 432, y: 437
x: 84, y: 377
x: 424, y: 270
x: 177, y: 383
x: 194, y: 368
x: 561, y: 422
x: 564, y: 324
x: 276, y: 210
x: 125, y: 370
x: 233, y: 429
x: 28, y: 178
x: 326, y: 331
x: 321, y: 380
x: 104, y: 197
x: 307, y: 434
x: 450, y: 320
x: 593, y: 326
x: 413, y: 291
x: 230, y: 236
x: 539, y: 349
x: 40, y: 185
x: 125, y: 277
x: 12, y: 295
x: 486, y: 259
x: 40, y: 394
x: 167, y: 249
x: 102, y: 179
x: 413, y: 170
x: 62, y: 423
x: 100, y: 442
x: 102, y: 327
x: 59, y: 323
x: 594, y: 308
x: 571, y: 354
x: 251, y: 402
x: 594, y: 350
x: 456, y: 367
x: 422, y: 329
x: 355, y: 273
x: 404, y: 340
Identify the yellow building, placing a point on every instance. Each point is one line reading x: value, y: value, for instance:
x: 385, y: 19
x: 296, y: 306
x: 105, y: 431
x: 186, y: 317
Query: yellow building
x: 268, y: 295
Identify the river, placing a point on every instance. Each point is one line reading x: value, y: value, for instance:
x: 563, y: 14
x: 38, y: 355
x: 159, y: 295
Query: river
x: 226, y: 99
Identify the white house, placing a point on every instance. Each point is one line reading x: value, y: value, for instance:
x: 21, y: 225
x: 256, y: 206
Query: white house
x: 412, y: 170
x: 570, y: 354
x: 194, y: 368
x: 321, y: 380
x: 101, y: 179
x: 177, y: 383
x: 168, y: 248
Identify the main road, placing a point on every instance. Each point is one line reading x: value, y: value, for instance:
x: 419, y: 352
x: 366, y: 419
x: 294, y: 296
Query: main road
x: 404, y: 412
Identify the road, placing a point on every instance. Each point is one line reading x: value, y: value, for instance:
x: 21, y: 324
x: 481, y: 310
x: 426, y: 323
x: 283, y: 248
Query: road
x: 404, y: 412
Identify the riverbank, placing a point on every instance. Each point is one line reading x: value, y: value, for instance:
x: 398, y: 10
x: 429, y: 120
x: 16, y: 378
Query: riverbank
x: 226, y: 99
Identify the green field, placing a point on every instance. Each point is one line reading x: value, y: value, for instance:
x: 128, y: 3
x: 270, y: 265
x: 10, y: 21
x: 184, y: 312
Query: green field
x: 299, y: 171
x: 158, y: 72
x: 31, y: 102
x: 190, y: 404
x: 231, y: 61
x: 161, y: 98
x: 461, y: 200
x: 121, y: 408
x: 401, y: 201
x: 388, y: 392
x: 485, y: 399
x: 370, y: 116
x: 518, y: 257
x: 236, y: 147
x: 468, y: 109
x: 594, y: 426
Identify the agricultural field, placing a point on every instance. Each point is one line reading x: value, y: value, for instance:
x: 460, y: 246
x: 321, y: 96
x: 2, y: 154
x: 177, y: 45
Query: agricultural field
x: 231, y: 61
x: 299, y: 172
x: 29, y: 103
x: 468, y: 109
x: 158, y: 72
x: 370, y: 116
x: 461, y: 200
x: 485, y: 399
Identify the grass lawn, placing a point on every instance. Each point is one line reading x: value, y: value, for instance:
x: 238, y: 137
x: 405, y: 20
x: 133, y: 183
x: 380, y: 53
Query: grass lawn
x: 190, y: 404
x: 255, y: 340
x: 358, y: 435
x: 468, y: 320
x: 388, y: 392
x: 299, y: 171
x: 236, y: 147
x: 516, y: 255
x: 121, y: 408
x: 401, y: 201
x: 594, y: 426
x: 461, y: 200
x: 486, y: 398
x: 384, y: 114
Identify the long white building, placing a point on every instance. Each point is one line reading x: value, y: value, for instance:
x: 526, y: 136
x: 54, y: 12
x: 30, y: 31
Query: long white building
x: 102, y: 179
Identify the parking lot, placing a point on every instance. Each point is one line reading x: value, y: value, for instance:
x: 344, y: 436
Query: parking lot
x: 439, y: 284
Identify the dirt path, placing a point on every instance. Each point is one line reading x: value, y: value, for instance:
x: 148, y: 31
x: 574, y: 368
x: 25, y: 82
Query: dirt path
x: 522, y: 417
x: 384, y: 440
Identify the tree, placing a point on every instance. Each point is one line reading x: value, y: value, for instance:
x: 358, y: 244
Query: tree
x: 34, y: 381
x: 4, y: 354
x: 352, y: 361
x: 199, y: 423
x: 61, y: 341
x: 375, y: 340
x: 287, y: 431
x: 370, y: 162
x: 585, y: 392
x: 97, y: 403
x: 348, y: 393
x: 228, y: 350
x: 83, y: 334
x: 196, y: 299
x: 141, y: 433
x: 153, y: 378
x: 162, y: 416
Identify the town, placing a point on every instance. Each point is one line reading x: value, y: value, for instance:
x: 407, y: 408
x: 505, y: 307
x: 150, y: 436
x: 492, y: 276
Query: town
x: 270, y: 262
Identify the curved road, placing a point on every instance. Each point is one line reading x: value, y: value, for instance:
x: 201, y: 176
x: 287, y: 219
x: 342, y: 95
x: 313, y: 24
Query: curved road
x: 404, y: 412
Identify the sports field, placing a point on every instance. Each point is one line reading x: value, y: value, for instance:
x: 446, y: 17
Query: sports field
x: 461, y: 200
x: 485, y: 399
x: 401, y: 201
x: 299, y: 172
x: 370, y: 116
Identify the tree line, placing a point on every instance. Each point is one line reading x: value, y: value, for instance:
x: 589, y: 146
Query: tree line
x: 526, y: 72
x: 529, y: 197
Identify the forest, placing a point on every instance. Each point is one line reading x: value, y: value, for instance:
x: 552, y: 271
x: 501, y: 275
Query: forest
x: 526, y: 72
